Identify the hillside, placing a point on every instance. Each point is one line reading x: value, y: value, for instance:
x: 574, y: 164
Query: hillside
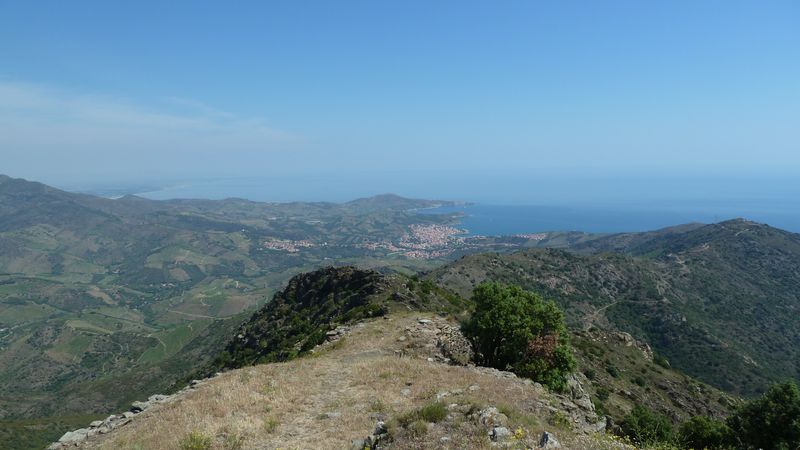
x: 385, y: 370
x: 385, y: 356
x: 103, y: 301
x: 718, y: 301
x: 313, y: 304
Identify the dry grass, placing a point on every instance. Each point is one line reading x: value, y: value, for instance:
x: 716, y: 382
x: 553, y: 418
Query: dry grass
x: 326, y: 401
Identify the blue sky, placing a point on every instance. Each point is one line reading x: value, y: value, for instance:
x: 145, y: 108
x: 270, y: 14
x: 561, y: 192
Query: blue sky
x: 132, y: 90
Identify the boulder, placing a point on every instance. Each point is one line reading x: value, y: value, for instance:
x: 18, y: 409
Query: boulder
x: 548, y: 441
x: 499, y: 434
x: 491, y: 417
x: 74, y: 436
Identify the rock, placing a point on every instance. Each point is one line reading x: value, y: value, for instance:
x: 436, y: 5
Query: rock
x: 499, y: 434
x: 453, y: 346
x: 157, y: 398
x: 380, y: 434
x: 491, y: 417
x: 358, y: 444
x: 405, y: 392
x: 577, y: 394
x: 128, y: 414
x: 74, y: 436
x: 474, y: 388
x: 137, y: 407
x: 548, y: 441
x: 424, y: 321
x: 96, y: 424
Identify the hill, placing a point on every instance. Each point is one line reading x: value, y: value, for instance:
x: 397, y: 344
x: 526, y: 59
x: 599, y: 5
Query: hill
x: 103, y: 301
x: 719, y: 301
x: 390, y: 355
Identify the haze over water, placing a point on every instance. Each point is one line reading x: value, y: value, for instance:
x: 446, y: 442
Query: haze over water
x: 530, y: 201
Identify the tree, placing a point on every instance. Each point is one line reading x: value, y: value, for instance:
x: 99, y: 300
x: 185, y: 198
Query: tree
x: 513, y: 329
x: 771, y: 422
x: 703, y: 432
x: 646, y: 427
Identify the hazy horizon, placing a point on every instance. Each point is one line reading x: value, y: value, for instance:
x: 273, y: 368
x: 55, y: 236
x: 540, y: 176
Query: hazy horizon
x: 518, y: 202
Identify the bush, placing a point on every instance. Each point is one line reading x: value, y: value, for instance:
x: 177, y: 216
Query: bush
x: 196, y: 440
x: 612, y: 370
x: 661, y: 361
x: 770, y: 422
x: 512, y: 329
x: 434, y: 412
x: 704, y: 432
x: 646, y: 427
x: 602, y: 393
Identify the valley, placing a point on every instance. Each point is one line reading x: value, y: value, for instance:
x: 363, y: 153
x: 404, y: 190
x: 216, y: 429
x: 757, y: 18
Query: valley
x: 103, y: 302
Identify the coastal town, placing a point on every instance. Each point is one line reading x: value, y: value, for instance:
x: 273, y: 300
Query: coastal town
x: 421, y: 241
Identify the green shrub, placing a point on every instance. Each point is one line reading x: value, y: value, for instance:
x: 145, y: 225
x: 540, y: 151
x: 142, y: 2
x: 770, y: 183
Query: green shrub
x: 513, y: 329
x: 602, y: 393
x: 612, y: 370
x: 434, y: 412
x: 703, y: 432
x: 770, y: 422
x: 646, y: 427
x: 196, y: 440
x: 661, y: 361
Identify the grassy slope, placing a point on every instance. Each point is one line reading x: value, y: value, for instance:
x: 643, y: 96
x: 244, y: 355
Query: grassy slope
x: 328, y: 399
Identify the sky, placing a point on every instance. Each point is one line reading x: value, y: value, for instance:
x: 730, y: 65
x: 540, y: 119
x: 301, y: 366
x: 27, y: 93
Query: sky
x: 99, y: 91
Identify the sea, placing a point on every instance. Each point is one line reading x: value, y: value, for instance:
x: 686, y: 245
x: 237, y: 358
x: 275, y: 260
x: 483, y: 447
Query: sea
x: 497, y: 220
x: 514, y: 203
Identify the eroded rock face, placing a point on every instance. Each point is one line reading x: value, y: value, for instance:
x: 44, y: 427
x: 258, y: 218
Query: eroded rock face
x: 437, y: 340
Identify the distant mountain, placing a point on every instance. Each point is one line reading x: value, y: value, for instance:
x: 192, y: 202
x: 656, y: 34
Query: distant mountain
x: 720, y: 301
x: 395, y: 202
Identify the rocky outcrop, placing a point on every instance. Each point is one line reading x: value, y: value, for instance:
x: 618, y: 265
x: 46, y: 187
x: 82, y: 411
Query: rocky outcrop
x: 439, y: 341
x: 629, y: 341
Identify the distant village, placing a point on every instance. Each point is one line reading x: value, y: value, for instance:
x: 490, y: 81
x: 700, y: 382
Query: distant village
x: 420, y: 242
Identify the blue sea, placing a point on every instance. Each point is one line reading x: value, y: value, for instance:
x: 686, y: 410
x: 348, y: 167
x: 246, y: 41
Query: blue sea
x: 527, y: 202
x: 496, y: 220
